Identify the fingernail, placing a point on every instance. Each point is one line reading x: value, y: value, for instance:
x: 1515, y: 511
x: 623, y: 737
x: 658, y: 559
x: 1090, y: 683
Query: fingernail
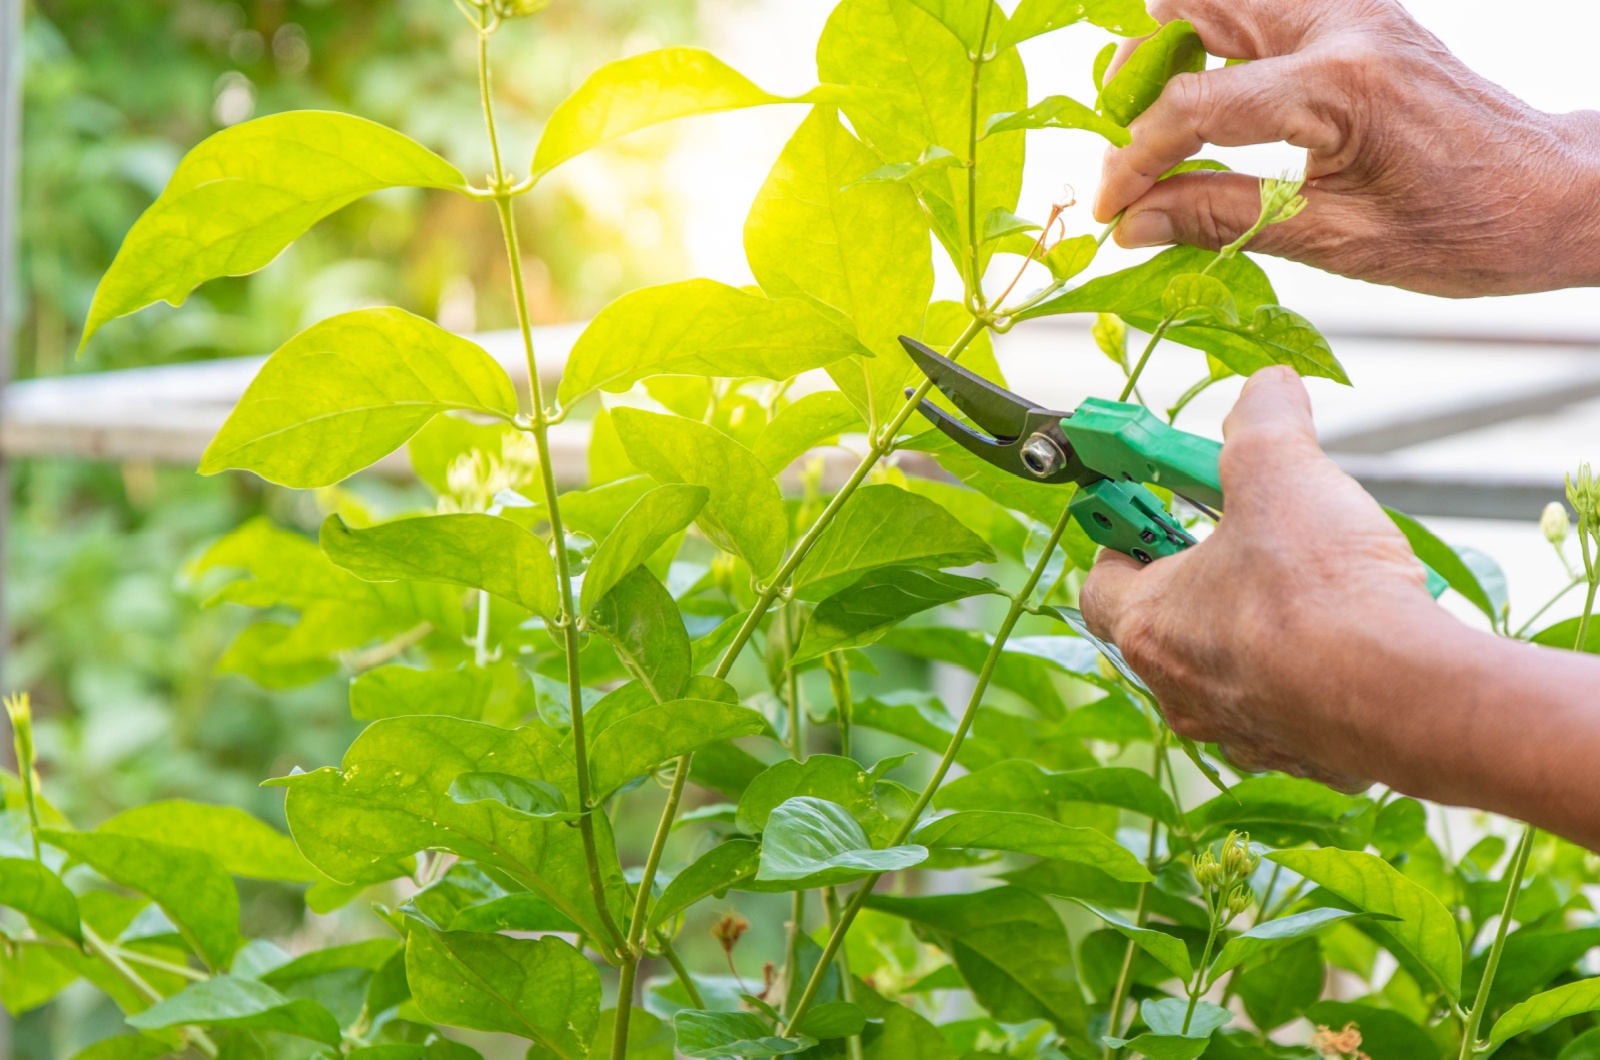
x: 1147, y: 228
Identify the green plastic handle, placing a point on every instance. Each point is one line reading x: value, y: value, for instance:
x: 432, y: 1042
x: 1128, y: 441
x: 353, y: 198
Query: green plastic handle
x: 1128, y: 443
x: 1130, y: 446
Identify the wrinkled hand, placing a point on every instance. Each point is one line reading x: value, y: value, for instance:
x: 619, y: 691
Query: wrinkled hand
x: 1421, y: 174
x: 1250, y: 637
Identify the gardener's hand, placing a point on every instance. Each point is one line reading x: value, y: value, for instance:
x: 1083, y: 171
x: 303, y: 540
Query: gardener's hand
x: 1421, y: 173
x: 1250, y: 637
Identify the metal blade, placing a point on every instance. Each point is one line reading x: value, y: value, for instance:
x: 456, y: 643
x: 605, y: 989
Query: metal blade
x: 995, y: 409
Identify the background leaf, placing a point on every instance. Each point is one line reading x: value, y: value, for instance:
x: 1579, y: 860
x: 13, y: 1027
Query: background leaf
x: 880, y: 526
x: 640, y: 742
x: 812, y: 420
x: 1026, y: 833
x: 1570, y: 1000
x: 732, y: 1034
x: 640, y: 619
x: 244, y: 845
x: 819, y: 842
x: 229, y: 1001
x: 344, y: 393
x: 1125, y: 18
x: 877, y: 601
x: 647, y: 526
x: 32, y: 889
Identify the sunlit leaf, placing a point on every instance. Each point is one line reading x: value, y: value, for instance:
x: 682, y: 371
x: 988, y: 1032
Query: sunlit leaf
x: 245, y: 193
x: 700, y: 327
x: 643, y: 90
x: 744, y: 513
x: 1172, y: 50
x: 813, y: 420
x: 648, y: 525
x: 1126, y: 18
x: 863, y: 611
x: 881, y: 526
x: 1058, y: 112
x: 344, y: 393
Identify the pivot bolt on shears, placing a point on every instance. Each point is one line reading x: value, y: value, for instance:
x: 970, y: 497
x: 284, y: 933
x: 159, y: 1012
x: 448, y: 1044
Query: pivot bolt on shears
x: 1109, y: 449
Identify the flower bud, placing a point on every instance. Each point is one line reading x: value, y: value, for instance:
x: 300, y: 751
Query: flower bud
x: 1554, y: 523
x: 1239, y: 899
x: 1584, y: 496
x: 1281, y: 198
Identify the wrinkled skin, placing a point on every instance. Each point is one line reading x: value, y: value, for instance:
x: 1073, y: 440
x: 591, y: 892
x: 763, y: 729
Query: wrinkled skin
x: 1421, y: 174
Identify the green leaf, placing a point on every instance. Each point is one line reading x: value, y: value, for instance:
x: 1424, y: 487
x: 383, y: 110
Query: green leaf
x: 1425, y: 927
x: 700, y: 327
x: 1174, y: 49
x: 732, y: 1034
x: 859, y: 614
x: 1263, y: 937
x: 713, y: 873
x: 1285, y: 984
x: 245, y: 1004
x: 857, y: 251
x: 968, y: 20
x: 125, y: 1047
x: 244, y: 194
x: 813, y: 420
x: 643, y: 90
x: 1573, y: 999
x: 1125, y: 18
x: 1001, y: 223
x: 476, y: 551
x: 641, y: 621
x: 833, y: 1019
x: 1191, y: 298
x: 1166, y: 1039
x: 640, y: 742
x: 1009, y: 946
x: 1286, y: 337
x: 536, y: 800
x: 744, y: 513
x: 880, y: 526
x: 1284, y: 811
x: 1168, y: 949
x: 1022, y: 785
x: 32, y: 889
x: 919, y: 82
x: 1026, y: 833
x: 244, y: 845
x: 818, y: 841
x: 930, y: 161
x: 540, y: 989
x: 647, y: 526
x: 832, y: 778
x: 1071, y: 256
x: 346, y: 392
x: 1444, y: 561
x: 191, y: 887
x: 1058, y: 112
x: 390, y: 799
x: 393, y: 691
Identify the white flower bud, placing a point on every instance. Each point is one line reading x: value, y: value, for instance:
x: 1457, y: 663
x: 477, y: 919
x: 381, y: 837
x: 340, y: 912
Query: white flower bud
x: 1554, y: 523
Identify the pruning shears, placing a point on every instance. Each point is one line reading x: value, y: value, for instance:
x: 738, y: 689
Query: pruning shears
x: 1112, y: 450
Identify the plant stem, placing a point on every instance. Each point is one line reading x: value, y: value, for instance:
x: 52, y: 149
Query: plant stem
x: 1547, y: 605
x: 1588, y: 609
x: 541, y: 436
x: 859, y: 900
x: 838, y: 668
x: 1205, y: 963
x: 791, y: 696
x: 480, y: 642
x: 1188, y: 396
x: 1519, y: 864
x: 974, y: 238
x: 671, y: 955
x: 1166, y: 321
x: 1125, y: 978
x: 830, y: 903
x: 111, y: 956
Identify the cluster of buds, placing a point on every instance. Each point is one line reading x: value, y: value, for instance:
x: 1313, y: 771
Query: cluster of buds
x: 1225, y: 876
x: 1339, y: 1045
x: 1281, y: 199
x: 474, y: 479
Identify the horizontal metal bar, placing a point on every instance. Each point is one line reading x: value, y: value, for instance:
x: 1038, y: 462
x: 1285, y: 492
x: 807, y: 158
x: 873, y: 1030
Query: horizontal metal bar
x: 1461, y: 495
x: 1462, y: 416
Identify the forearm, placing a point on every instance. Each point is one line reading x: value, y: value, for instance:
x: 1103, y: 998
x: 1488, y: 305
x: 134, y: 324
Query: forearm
x: 1443, y: 712
x: 1566, y: 252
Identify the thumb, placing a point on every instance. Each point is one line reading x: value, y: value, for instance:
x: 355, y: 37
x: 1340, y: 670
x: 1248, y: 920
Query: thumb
x: 1210, y: 209
x: 1273, y: 403
x: 1105, y: 590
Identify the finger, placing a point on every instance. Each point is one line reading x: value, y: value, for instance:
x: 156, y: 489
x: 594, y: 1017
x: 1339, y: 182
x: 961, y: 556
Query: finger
x: 1106, y: 590
x: 1240, y: 29
x: 1212, y: 209
x: 1274, y: 401
x: 1268, y: 101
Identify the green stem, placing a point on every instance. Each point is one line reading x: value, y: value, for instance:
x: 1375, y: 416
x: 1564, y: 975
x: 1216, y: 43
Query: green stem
x: 111, y: 956
x: 1548, y: 604
x: 619, y: 1029
x: 974, y: 238
x: 1166, y: 321
x: 671, y: 955
x: 838, y: 668
x: 541, y: 436
x: 1188, y: 396
x: 830, y: 903
x: 1119, y: 994
x: 791, y: 696
x: 1519, y: 864
x: 1583, y: 620
x: 859, y: 900
x: 1205, y: 962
